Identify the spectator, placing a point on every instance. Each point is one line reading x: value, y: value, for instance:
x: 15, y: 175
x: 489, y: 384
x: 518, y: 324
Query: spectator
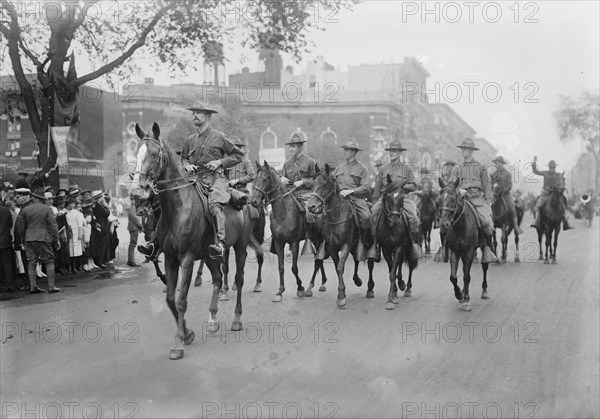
x: 62, y: 257
x: 134, y: 226
x: 75, y: 223
x: 7, y: 261
x: 36, y: 223
x: 101, y: 214
x: 22, y: 181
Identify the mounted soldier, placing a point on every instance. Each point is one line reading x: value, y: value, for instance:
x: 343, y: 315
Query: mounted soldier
x: 298, y: 173
x: 447, y: 171
x: 243, y: 173
x: 474, y: 183
x: 502, y: 179
x: 208, y: 153
x: 353, y: 179
x: 552, y: 179
x: 403, y: 174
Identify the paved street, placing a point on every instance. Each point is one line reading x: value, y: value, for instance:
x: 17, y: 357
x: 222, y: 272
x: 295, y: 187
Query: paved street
x: 100, y: 348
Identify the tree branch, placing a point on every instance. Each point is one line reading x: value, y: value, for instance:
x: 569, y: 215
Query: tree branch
x: 27, y: 52
x: 120, y: 60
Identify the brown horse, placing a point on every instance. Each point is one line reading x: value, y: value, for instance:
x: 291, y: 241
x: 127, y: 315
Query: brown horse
x: 339, y: 231
x: 503, y: 220
x: 552, y: 214
x: 393, y: 237
x: 287, y: 226
x: 185, y: 231
x: 462, y: 238
x: 427, y: 211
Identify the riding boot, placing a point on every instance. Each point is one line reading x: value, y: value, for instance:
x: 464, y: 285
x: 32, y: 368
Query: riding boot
x: 518, y: 230
x: 488, y: 255
x: 566, y: 225
x: 416, y: 250
x: 321, y: 251
x: 217, y: 249
x: 374, y: 252
x: 538, y: 220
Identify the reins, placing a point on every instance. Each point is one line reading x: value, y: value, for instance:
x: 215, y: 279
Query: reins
x: 327, y: 211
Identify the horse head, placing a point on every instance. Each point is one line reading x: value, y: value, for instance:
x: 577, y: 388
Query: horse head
x: 393, y: 201
x: 450, y: 203
x: 324, y: 189
x: 151, y: 162
x: 266, y: 182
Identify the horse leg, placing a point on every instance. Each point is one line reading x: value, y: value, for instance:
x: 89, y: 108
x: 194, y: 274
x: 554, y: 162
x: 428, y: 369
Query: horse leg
x: 484, y: 293
x: 356, y: 278
x: 295, y: 249
x: 556, y: 231
x: 539, y: 233
x: 214, y: 266
x: 185, y: 335
x: 172, y: 272
x: 393, y: 297
x: 466, y: 261
x: 225, y: 287
x: 371, y: 282
x: 400, y: 254
x: 495, y: 243
x: 280, y: 259
x: 322, y: 288
x: 198, y: 280
x: 339, y: 266
x: 240, y: 262
x: 159, y: 273
x: 453, y: 278
x: 260, y: 257
x: 505, y: 234
x: 548, y: 244
x: 517, y: 259
x: 311, y: 284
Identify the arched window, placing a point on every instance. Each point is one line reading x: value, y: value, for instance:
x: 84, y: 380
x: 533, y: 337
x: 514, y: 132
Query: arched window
x: 268, y: 139
x: 329, y: 136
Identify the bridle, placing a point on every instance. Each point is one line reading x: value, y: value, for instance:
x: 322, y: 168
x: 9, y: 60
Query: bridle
x: 266, y: 199
x: 323, y: 203
x: 388, y: 212
x: 454, y: 210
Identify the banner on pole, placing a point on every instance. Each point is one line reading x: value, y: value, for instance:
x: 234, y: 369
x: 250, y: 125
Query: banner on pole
x: 61, y: 136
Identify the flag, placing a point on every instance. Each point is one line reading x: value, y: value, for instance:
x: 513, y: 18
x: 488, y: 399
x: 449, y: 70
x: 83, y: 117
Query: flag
x: 65, y: 97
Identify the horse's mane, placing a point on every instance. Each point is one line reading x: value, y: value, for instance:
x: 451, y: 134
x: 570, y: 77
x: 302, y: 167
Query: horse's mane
x: 391, y: 187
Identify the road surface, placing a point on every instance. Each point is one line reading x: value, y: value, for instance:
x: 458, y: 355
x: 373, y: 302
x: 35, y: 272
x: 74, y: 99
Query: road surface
x: 100, y: 348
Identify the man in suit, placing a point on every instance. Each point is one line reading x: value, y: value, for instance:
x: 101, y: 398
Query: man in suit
x: 6, y: 249
x: 134, y: 227
x: 37, y: 225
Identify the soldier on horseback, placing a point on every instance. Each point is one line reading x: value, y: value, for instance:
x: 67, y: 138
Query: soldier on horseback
x: 243, y: 173
x: 552, y: 179
x: 447, y: 169
x: 404, y: 175
x: 208, y: 153
x: 298, y: 172
x: 475, y: 184
x: 502, y: 179
x: 353, y: 178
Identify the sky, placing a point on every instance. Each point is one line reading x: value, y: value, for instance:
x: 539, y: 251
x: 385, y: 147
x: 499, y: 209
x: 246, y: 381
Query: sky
x: 552, y: 49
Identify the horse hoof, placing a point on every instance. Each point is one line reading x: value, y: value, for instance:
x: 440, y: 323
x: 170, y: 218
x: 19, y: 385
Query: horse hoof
x: 390, y: 306
x: 395, y: 299
x: 234, y: 287
x: 213, y: 327
x: 300, y: 294
x: 484, y: 295
x: 189, y: 338
x: 546, y: 261
x: 462, y: 301
x: 322, y: 288
x: 224, y: 297
x: 467, y: 306
x: 176, y: 354
x: 341, y: 303
x: 357, y: 281
x: 277, y: 299
x: 308, y: 293
x: 540, y: 258
x: 236, y: 326
x: 402, y: 286
x: 257, y: 288
x: 517, y: 260
x: 370, y: 294
x: 198, y: 282
x: 408, y: 293
x: 165, y: 289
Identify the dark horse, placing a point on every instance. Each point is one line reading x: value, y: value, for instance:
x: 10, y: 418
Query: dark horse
x: 184, y: 231
x: 552, y: 214
x: 393, y: 236
x: 287, y: 226
x: 462, y: 238
x: 339, y: 228
x: 256, y: 239
x: 427, y: 210
x: 503, y: 220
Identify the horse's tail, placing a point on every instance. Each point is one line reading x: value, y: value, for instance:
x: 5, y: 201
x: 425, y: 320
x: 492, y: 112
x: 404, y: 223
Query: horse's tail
x: 259, y: 228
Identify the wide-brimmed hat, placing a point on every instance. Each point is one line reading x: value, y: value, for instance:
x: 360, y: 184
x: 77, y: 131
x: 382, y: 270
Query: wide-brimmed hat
x: 23, y: 199
x: 23, y: 191
x: 48, y: 188
x: 87, y: 203
x: 97, y: 194
x: 84, y: 192
x: 395, y: 145
x: 74, y: 191
x: 352, y: 144
x: 202, y: 106
x: 39, y: 193
x: 237, y: 141
x: 62, y: 190
x: 48, y: 195
x: 552, y: 163
x: 22, y: 173
x: 296, y: 138
x: 500, y: 160
x: 468, y: 143
x: 450, y: 163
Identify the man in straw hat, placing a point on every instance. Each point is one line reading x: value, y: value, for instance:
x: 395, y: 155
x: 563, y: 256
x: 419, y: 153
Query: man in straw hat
x: 242, y: 173
x: 403, y: 175
x: 208, y: 153
x: 37, y: 225
x: 502, y: 179
x: 552, y: 179
x: 353, y: 178
x: 475, y: 184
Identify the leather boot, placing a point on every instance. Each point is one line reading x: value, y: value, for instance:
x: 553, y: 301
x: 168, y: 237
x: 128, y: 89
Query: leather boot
x: 488, y: 254
x: 538, y: 221
x: 566, y: 225
x: 374, y: 252
x: 518, y: 230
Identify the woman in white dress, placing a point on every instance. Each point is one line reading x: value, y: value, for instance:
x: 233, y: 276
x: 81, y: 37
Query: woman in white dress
x: 76, y: 222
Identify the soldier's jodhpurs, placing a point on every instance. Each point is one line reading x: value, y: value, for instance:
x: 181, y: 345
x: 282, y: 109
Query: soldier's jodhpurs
x: 216, y: 210
x: 510, y: 204
x: 485, y: 213
x: 364, y: 218
x: 410, y: 208
x: 542, y: 199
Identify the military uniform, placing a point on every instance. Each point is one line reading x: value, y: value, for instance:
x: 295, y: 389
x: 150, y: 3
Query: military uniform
x: 552, y: 179
x: 502, y: 178
x: 300, y: 168
x: 447, y: 171
x: 404, y: 175
x: 243, y: 173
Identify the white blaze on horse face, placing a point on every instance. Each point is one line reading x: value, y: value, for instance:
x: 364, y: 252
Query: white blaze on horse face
x: 396, y: 194
x: 141, y: 156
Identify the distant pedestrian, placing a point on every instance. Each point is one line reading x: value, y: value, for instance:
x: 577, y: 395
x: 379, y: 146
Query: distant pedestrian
x: 7, y: 260
x: 134, y: 227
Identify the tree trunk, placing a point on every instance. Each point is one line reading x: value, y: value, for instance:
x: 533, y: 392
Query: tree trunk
x: 216, y: 73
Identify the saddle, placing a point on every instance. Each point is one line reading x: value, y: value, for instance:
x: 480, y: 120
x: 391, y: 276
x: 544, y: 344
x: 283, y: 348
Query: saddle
x: 237, y: 198
x: 471, y: 207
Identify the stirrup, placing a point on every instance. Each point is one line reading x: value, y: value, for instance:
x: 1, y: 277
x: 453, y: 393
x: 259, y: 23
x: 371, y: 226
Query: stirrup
x: 488, y: 255
x: 216, y: 251
x: 149, y: 250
